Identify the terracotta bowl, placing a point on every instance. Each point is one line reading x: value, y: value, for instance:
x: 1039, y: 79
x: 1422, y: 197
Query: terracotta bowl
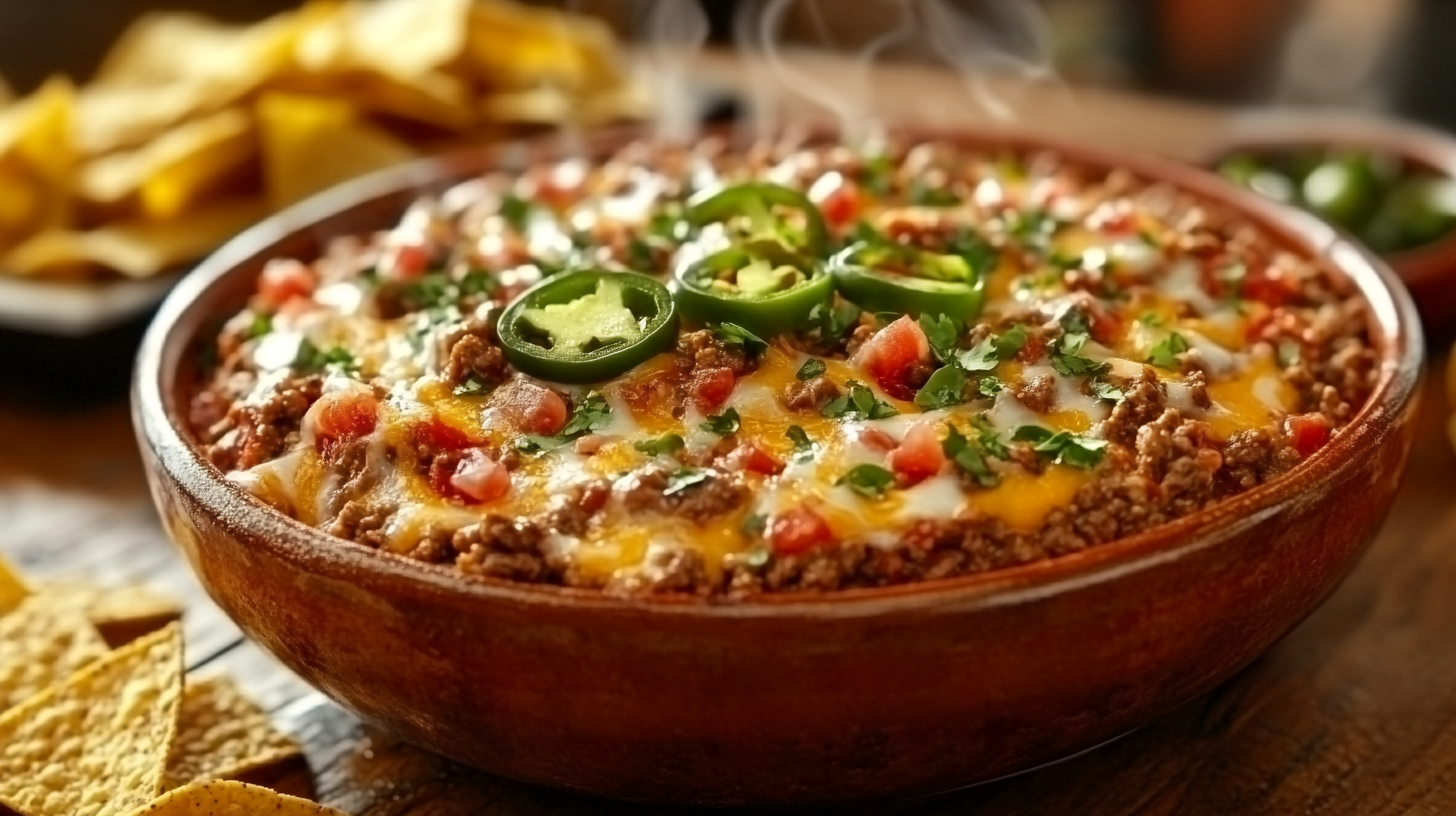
x: 798, y: 698
x: 1429, y: 270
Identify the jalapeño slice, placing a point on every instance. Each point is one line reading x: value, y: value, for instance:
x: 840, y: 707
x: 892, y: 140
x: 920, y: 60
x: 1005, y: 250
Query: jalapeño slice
x: 587, y: 326
x: 756, y: 201
x: 767, y: 296
x: 885, y: 277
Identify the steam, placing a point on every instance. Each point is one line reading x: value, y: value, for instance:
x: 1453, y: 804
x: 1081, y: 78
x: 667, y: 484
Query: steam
x: 673, y: 30
x: 999, y: 49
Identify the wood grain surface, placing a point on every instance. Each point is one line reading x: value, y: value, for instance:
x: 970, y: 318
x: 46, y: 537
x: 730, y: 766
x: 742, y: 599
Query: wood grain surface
x: 1354, y: 714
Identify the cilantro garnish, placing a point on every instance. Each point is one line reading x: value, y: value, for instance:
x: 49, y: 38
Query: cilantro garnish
x: 1067, y: 357
x: 1102, y: 389
x: 723, y: 424
x: 858, y: 403
x: 262, y: 324
x: 987, y: 354
x: 471, y: 387
x: 870, y: 481
x: 804, y: 447
x: 968, y: 457
x: 735, y: 336
x: 477, y: 282
x: 1165, y: 354
x: 1151, y: 319
x: 516, y: 211
x: 685, y: 478
x: 988, y: 438
x: 834, y: 321
x: 946, y: 387
x: 942, y: 333
x: 664, y: 445
x: 875, y: 174
x: 925, y: 195
x: 592, y: 413
x: 990, y: 386
x: 311, y: 358
x: 812, y: 367
x: 1062, y: 446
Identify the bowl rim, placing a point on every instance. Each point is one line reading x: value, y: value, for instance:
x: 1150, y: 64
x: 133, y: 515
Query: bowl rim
x: 1394, y: 327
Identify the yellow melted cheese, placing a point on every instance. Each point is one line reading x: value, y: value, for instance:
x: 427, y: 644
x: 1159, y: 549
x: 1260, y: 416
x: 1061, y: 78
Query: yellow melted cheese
x: 1022, y: 500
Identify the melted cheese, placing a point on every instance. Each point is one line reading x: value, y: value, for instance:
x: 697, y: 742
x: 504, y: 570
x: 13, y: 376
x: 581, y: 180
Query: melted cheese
x: 1254, y: 398
x: 1022, y: 500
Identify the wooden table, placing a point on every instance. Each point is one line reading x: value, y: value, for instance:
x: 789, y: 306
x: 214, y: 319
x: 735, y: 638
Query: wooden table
x: 1354, y: 713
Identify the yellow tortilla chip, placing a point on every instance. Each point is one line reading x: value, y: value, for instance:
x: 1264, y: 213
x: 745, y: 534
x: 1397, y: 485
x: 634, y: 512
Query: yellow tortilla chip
x: 223, y: 735
x: 178, y: 169
x: 120, y: 614
x: 514, y: 47
x: 231, y: 799
x: 135, y: 248
x: 12, y: 588
x: 42, y: 644
x: 36, y: 162
x: 311, y: 144
x: 97, y: 743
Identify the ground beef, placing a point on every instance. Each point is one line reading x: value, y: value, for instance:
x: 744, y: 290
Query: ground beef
x: 669, y: 569
x: 811, y: 395
x: 700, y: 349
x: 363, y: 522
x: 267, y: 428
x: 505, y: 548
x: 474, y: 358
x: 1254, y: 457
x: 642, y: 491
x: 1037, y: 393
x: 581, y: 503
x: 1143, y: 401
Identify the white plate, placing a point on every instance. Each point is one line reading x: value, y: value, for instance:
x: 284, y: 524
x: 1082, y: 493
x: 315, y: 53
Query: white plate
x: 76, y: 308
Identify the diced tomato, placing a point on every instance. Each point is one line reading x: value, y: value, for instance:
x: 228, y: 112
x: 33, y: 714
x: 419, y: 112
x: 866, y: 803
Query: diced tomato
x: 753, y: 459
x: 711, y: 387
x: 532, y: 408
x: 480, y: 478
x: 798, y: 530
x: 436, y: 434
x: 404, y: 259
x: 892, y: 354
x: 1308, y: 432
x: 1266, y: 285
x: 339, y: 417
x: 282, y: 281
x: 919, y: 455
x: 1033, y: 350
x: 839, y: 199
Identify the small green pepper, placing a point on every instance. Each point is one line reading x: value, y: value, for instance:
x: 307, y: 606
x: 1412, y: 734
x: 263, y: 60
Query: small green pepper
x: 588, y: 326
x: 761, y: 295
x: 906, y: 280
x: 1346, y: 191
x: 755, y: 201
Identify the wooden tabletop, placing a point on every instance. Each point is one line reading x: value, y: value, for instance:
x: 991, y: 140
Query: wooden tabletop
x: 1353, y: 713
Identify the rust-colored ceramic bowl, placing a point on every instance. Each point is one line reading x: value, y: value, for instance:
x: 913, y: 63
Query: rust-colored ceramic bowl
x: 1428, y: 270
x: 794, y: 699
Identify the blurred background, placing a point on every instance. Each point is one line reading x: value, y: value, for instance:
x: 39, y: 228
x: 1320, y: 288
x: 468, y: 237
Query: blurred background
x: 1389, y: 55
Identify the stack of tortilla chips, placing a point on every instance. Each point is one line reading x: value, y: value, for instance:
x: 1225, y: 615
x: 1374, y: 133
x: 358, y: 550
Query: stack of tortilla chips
x: 193, y: 129
x: 97, y: 717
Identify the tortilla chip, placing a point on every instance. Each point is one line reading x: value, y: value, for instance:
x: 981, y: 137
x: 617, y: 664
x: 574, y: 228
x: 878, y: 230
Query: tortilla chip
x: 311, y: 144
x: 12, y: 588
x: 164, y: 47
x: 408, y: 38
x: 120, y: 614
x: 223, y: 735
x: 516, y: 48
x: 36, y: 162
x: 231, y: 799
x: 137, y: 249
x: 96, y: 744
x: 178, y: 169
x: 42, y: 644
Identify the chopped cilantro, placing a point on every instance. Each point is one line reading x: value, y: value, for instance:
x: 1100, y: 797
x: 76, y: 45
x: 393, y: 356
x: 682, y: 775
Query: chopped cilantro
x: 516, y: 211
x: 989, y: 439
x: 723, y: 424
x: 1062, y: 446
x: 1165, y: 354
x: 834, y: 321
x: 592, y: 413
x: 804, y: 447
x: 685, y: 478
x: 313, y: 359
x: 753, y: 526
x: 968, y: 457
x: 985, y: 355
x: 858, y: 403
x: 1033, y: 228
x: 812, y: 367
x: 471, y: 387
x: 434, y: 290
x: 1074, y: 321
x: 924, y: 195
x: 976, y: 251
x: 477, y: 282
x: 534, y: 443
x: 736, y: 336
x: 942, y: 333
x: 262, y: 324
x: 990, y: 386
x: 876, y: 174
x: 1067, y: 357
x: 946, y: 387
x: 1151, y: 319
x: 870, y: 481
x: 1102, y: 389
x: 1011, y: 342
x: 664, y: 445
